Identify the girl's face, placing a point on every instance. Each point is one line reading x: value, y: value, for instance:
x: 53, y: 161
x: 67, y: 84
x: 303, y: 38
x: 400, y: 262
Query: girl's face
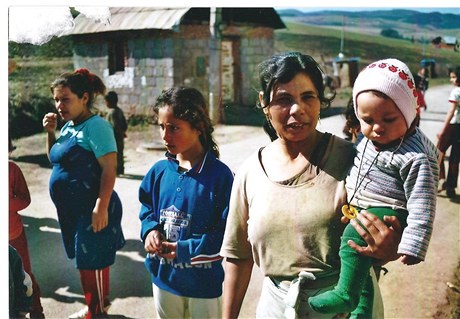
x: 453, y: 79
x: 69, y: 106
x: 381, y: 120
x: 178, y: 135
x: 294, y: 108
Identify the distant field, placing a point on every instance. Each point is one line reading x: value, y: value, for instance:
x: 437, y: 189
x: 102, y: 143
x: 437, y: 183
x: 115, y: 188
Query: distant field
x: 326, y: 41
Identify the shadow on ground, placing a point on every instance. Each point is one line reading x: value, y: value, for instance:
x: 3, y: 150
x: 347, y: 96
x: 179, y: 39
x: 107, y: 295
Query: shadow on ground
x: 39, y: 159
x: 56, y: 274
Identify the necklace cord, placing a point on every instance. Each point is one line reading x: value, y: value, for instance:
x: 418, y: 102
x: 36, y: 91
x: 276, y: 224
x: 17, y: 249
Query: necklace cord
x: 359, y: 171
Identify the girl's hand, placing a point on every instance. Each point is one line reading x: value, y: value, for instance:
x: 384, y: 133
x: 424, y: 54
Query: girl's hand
x: 382, y: 241
x: 100, y: 220
x: 50, y: 122
x: 169, y: 250
x: 153, y: 242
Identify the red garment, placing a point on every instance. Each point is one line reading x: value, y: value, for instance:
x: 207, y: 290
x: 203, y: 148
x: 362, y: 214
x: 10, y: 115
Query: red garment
x: 19, y: 198
x: 96, y: 287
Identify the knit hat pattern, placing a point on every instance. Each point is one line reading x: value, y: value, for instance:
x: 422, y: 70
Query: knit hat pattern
x: 393, y: 78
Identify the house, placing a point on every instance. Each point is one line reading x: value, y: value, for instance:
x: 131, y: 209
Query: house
x: 451, y: 42
x: 144, y: 50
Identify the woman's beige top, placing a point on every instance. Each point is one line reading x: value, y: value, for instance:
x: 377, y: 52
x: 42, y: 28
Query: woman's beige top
x: 289, y: 227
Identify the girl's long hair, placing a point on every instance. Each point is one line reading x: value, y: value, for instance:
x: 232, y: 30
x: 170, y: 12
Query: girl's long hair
x: 188, y: 104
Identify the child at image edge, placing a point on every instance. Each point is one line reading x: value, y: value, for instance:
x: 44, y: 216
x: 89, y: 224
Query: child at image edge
x: 185, y: 199
x: 449, y: 136
x: 19, y: 199
x: 395, y: 172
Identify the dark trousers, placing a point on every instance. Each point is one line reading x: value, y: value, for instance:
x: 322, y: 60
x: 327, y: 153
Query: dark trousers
x: 20, y: 244
x: 451, y: 138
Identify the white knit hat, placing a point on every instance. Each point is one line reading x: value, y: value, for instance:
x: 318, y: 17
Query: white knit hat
x: 393, y: 78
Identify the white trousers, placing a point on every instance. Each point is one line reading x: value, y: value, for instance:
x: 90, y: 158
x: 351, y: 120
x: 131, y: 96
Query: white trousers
x: 272, y: 302
x: 170, y: 306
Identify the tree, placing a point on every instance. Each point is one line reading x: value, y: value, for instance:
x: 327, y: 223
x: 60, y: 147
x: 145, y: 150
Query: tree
x: 436, y: 41
x: 390, y: 33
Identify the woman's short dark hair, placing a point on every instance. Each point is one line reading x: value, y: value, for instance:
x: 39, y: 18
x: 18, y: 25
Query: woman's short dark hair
x: 283, y: 67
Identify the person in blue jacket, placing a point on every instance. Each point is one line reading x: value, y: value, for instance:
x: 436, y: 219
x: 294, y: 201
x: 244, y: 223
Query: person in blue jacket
x: 185, y: 198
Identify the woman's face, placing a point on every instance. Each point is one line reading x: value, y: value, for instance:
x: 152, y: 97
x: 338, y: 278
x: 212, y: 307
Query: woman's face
x: 69, y: 106
x: 294, y: 108
x: 178, y: 135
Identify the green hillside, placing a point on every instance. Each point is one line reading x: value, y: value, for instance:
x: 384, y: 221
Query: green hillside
x: 326, y: 41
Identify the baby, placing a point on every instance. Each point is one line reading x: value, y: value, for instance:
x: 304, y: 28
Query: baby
x: 395, y: 173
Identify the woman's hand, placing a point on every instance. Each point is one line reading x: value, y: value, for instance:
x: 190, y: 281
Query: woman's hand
x: 50, y: 122
x: 100, y: 220
x: 382, y: 240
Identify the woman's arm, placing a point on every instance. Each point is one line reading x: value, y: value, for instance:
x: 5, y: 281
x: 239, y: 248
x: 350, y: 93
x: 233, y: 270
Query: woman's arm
x: 382, y: 240
x: 49, y: 124
x: 237, y: 275
x: 108, y: 165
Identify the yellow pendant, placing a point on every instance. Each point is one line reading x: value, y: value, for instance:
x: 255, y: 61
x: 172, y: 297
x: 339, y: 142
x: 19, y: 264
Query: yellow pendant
x: 349, y: 211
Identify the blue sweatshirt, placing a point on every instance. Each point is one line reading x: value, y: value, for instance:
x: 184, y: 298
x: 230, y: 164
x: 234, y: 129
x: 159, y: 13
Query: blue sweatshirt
x: 192, y: 208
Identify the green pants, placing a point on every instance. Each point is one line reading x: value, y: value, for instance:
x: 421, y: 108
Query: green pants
x: 354, y: 292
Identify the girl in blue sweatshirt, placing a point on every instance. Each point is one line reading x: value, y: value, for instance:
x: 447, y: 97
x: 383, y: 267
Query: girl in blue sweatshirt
x: 184, y: 199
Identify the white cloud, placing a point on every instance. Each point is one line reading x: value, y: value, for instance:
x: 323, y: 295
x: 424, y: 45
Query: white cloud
x: 97, y: 14
x: 37, y: 25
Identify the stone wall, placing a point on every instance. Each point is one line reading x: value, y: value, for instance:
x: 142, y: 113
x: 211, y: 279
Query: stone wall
x: 159, y: 60
x: 256, y: 46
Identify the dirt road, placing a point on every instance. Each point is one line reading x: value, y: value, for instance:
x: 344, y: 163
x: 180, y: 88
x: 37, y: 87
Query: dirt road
x: 409, y: 292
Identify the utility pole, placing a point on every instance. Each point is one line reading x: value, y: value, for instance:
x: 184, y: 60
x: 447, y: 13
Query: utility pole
x: 215, y: 82
x: 342, y: 40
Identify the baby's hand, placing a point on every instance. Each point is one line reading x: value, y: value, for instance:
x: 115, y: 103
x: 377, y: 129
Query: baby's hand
x: 410, y: 260
x: 344, y: 220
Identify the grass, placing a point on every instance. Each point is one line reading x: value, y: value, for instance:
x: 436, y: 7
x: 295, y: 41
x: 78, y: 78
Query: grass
x: 324, y: 41
x: 37, y: 73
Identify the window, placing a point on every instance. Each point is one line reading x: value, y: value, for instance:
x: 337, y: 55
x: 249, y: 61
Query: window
x: 117, y: 56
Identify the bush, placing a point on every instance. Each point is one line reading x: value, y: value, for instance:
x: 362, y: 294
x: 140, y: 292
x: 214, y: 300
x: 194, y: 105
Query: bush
x: 390, y: 33
x: 25, y: 114
x: 56, y: 47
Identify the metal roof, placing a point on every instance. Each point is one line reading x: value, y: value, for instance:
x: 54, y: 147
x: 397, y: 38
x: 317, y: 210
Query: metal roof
x: 139, y: 18
x: 131, y: 18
